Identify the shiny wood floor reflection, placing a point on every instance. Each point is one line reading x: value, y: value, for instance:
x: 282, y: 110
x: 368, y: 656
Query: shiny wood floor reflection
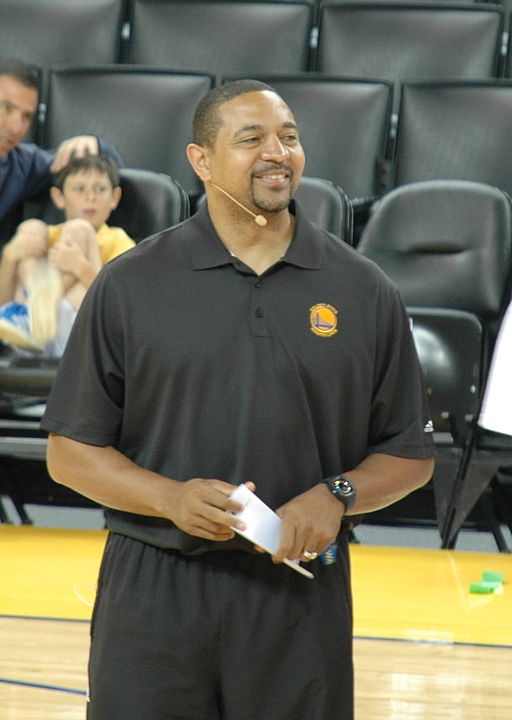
x: 43, y: 676
x: 426, y: 648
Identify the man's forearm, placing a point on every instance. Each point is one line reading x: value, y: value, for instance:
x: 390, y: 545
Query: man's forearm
x: 198, y: 506
x: 382, y: 480
x: 108, y: 477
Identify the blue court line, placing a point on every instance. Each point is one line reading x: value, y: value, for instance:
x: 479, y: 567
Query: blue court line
x: 430, y: 641
x: 419, y: 641
x: 40, y: 686
x: 43, y: 617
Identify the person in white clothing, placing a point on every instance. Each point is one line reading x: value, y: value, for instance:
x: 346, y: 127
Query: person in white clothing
x: 496, y: 412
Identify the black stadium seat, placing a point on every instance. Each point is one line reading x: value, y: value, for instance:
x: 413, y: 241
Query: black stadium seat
x: 220, y: 37
x: 455, y: 129
x: 410, y: 41
x: 147, y: 114
x: 327, y: 205
x: 66, y: 32
x: 447, y: 245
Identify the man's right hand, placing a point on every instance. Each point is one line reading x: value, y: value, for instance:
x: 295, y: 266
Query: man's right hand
x: 202, y: 507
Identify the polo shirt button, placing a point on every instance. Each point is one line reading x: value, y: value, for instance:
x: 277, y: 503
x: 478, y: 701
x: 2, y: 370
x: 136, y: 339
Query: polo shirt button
x: 257, y: 284
x: 259, y: 313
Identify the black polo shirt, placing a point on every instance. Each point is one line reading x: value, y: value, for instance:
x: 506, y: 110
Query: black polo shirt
x: 190, y: 364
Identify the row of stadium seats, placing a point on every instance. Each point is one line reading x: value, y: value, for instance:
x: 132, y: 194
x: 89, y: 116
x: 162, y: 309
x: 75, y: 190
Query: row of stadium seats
x: 390, y: 41
x: 445, y: 129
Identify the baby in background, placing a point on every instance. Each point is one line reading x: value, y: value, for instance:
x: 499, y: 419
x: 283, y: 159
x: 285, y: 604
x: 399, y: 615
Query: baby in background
x: 46, y: 270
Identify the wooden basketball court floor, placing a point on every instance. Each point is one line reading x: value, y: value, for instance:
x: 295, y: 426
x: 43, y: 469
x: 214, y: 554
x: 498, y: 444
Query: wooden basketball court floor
x: 425, y: 646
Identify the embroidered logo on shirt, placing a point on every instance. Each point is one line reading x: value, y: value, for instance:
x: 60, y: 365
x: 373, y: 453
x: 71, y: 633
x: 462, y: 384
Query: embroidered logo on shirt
x: 323, y: 319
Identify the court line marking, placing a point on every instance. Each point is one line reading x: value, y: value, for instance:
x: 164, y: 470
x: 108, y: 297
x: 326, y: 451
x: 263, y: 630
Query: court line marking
x: 41, y: 686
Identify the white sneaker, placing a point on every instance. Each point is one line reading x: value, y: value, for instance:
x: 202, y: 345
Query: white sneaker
x: 15, y: 326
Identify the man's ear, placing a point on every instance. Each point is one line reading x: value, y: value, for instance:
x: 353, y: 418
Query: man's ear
x: 57, y: 197
x: 199, y: 158
x: 117, y: 193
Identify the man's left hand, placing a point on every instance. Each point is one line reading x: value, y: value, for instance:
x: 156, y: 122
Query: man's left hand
x: 310, y: 523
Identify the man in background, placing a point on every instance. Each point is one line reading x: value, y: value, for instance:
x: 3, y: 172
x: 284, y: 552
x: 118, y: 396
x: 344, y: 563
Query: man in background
x: 25, y: 168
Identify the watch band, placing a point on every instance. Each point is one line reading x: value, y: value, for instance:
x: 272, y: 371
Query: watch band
x: 343, y: 490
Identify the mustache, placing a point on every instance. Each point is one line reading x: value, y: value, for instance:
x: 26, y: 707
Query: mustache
x: 269, y: 167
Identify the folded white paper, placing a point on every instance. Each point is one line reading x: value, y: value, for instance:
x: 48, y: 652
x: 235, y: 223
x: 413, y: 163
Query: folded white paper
x: 263, y: 526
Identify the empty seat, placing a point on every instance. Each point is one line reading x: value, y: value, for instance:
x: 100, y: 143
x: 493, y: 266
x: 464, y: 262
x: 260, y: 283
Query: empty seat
x: 455, y: 130
x: 220, y: 37
x: 67, y: 32
x: 450, y: 346
x: 447, y: 246
x: 327, y: 205
x: 410, y: 41
x: 445, y: 243
x: 147, y: 114
x: 344, y: 128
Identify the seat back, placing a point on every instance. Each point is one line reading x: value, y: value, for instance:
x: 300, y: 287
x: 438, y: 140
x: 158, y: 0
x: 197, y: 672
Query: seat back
x: 65, y: 32
x: 409, y: 41
x: 327, y: 205
x: 344, y: 128
x: 445, y: 244
x: 220, y: 37
x: 147, y: 114
x: 451, y: 348
x: 455, y: 130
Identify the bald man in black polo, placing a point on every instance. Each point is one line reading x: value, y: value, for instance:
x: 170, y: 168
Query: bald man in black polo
x: 232, y: 350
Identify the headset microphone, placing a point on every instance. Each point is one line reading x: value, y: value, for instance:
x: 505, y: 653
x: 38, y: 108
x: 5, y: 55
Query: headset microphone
x: 258, y: 219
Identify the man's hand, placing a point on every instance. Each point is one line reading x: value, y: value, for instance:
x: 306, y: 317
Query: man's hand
x: 202, y: 507
x: 310, y: 522
x: 79, y: 146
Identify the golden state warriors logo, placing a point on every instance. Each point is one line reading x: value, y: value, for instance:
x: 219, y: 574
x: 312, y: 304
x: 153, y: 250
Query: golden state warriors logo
x: 323, y: 319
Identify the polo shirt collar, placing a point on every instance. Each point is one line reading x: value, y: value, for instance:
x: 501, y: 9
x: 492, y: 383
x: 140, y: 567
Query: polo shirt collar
x: 206, y: 250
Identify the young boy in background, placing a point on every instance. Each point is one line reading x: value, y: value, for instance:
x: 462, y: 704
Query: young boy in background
x: 46, y: 270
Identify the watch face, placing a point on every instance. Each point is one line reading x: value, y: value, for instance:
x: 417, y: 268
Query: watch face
x: 343, y: 487
x: 343, y: 490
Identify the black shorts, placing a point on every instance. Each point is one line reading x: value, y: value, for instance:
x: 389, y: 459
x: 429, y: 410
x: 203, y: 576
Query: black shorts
x: 221, y: 636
